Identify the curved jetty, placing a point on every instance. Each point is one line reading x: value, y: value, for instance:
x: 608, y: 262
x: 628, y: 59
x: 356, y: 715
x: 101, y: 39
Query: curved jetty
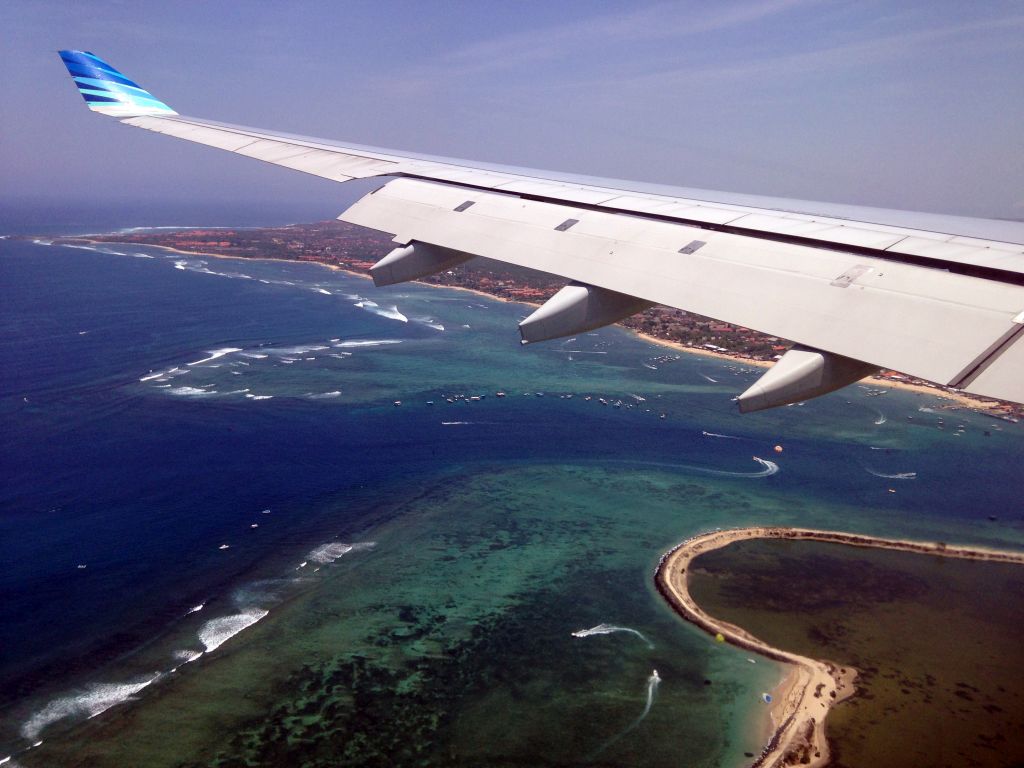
x: 813, y: 686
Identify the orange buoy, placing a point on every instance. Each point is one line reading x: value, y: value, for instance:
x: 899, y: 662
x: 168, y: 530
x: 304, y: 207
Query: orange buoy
x: 778, y: 449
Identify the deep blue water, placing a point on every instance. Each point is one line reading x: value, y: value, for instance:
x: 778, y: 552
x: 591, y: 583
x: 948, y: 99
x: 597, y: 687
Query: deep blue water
x: 141, y: 481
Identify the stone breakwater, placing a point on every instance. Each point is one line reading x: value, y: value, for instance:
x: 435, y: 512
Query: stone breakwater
x: 813, y: 686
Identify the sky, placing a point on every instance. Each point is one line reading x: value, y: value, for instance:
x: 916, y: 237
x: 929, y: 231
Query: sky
x: 918, y: 106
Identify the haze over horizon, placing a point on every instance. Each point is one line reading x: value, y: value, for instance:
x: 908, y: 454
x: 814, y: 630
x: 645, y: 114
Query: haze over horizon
x: 917, y: 107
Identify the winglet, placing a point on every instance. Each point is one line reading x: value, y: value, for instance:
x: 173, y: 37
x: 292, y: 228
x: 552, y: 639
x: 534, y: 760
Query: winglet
x: 107, y: 91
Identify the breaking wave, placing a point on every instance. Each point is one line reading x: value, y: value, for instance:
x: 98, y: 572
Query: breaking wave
x: 367, y: 343
x: 326, y: 395
x: 216, y: 632
x: 607, y: 629
x: 89, y: 702
x: 297, y: 350
x: 192, y: 391
x: 328, y: 553
x: 216, y: 353
x: 391, y: 312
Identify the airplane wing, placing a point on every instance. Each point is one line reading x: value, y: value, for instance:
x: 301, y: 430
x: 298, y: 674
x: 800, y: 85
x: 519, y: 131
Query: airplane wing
x: 939, y: 298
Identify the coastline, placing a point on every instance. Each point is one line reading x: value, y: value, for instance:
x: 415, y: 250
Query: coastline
x: 813, y: 686
x: 956, y: 399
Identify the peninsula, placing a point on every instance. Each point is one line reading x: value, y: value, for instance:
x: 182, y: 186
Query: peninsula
x: 813, y: 686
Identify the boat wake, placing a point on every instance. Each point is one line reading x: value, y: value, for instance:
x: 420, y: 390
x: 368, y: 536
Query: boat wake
x: 893, y: 475
x: 881, y: 418
x: 652, y: 692
x: 769, y: 468
x: 705, y: 376
x: 607, y: 629
x: 720, y: 436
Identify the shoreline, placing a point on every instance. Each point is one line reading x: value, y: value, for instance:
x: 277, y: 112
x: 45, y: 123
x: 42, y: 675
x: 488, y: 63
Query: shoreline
x: 812, y: 686
x: 956, y: 399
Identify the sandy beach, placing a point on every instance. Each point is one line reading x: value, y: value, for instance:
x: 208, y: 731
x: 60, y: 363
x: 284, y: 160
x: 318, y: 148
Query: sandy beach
x: 813, y: 686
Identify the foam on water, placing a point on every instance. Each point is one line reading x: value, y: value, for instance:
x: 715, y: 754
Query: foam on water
x: 258, y: 397
x: 186, y: 655
x: 324, y: 291
x: 254, y: 355
x: 326, y: 395
x: 216, y: 632
x: 89, y: 702
x: 608, y: 629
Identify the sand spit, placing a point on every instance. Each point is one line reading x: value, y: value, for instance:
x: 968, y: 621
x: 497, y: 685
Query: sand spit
x: 813, y: 686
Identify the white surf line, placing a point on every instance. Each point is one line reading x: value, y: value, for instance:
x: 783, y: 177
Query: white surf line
x: 652, y: 691
x: 607, y: 629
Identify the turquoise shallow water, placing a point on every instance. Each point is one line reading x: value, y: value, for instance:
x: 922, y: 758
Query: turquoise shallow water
x: 204, y: 392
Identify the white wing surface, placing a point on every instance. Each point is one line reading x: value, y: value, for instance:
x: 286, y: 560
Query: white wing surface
x: 939, y: 298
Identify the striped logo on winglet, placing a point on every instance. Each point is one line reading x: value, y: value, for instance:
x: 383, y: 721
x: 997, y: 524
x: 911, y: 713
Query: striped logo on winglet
x: 107, y: 91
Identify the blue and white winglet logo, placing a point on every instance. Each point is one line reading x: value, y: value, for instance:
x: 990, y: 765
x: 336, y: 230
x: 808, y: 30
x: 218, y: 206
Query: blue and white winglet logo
x: 107, y: 91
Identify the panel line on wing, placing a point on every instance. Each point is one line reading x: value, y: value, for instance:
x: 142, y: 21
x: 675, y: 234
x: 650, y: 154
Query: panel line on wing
x: 977, y: 366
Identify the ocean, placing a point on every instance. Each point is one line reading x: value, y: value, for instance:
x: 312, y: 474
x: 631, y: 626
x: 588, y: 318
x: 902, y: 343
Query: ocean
x: 242, y: 520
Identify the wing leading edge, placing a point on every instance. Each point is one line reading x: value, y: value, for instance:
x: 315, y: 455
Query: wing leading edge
x: 939, y: 298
